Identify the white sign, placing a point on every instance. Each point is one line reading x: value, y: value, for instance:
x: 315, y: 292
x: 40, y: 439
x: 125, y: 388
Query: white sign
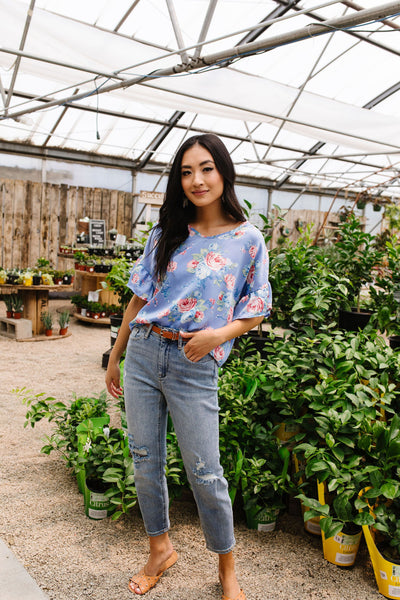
x: 156, y: 198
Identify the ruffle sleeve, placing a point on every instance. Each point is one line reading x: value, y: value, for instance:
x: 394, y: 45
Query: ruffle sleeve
x: 141, y: 280
x: 256, y: 296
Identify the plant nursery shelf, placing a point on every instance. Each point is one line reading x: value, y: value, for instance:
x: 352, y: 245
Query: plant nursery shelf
x: 104, y: 321
x: 35, y: 299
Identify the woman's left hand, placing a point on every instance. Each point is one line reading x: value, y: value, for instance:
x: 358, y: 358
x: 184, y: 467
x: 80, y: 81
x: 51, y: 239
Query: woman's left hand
x: 200, y: 343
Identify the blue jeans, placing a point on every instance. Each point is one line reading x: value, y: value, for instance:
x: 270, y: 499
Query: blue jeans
x: 159, y: 378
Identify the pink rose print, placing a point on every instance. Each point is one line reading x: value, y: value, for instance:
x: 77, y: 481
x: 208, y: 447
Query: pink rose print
x: 135, y: 278
x: 212, y: 301
x: 141, y: 321
x: 221, y: 296
x: 163, y: 313
x: 253, y: 251
x: 218, y: 353
x: 215, y: 261
x: 250, y: 274
x: 172, y: 266
x: 192, y: 264
x: 199, y: 316
x: 239, y: 233
x: 230, y: 314
x: 230, y: 281
x: 255, y: 305
x: 186, y: 304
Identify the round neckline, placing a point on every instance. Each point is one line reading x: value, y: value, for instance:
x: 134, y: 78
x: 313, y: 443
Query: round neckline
x: 234, y: 229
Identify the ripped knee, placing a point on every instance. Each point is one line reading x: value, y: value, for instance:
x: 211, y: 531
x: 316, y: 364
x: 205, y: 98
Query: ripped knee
x: 139, y: 453
x: 202, y: 475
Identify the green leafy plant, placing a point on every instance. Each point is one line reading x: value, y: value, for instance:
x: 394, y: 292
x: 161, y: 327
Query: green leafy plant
x: 354, y: 258
x: 117, y: 280
x: 64, y: 417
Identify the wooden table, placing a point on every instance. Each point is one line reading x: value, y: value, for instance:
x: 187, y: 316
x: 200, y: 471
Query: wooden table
x: 35, y: 299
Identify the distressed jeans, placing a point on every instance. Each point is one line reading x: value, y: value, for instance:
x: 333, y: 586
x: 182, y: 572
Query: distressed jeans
x: 159, y: 378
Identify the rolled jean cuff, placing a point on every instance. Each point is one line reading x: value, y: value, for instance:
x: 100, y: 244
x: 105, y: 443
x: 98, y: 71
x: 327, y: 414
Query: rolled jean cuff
x: 156, y: 533
x: 223, y: 551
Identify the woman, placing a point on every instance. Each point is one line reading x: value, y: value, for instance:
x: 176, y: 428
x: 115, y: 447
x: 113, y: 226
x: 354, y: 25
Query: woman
x: 201, y: 282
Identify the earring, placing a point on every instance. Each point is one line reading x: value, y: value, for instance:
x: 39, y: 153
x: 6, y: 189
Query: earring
x: 185, y: 202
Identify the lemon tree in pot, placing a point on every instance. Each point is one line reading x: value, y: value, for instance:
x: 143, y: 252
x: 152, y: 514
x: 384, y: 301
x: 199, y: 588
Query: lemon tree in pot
x: 109, y: 473
x: 354, y: 256
x: 265, y: 481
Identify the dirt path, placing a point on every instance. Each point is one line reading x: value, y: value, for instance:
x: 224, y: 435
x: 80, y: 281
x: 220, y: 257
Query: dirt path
x: 73, y: 558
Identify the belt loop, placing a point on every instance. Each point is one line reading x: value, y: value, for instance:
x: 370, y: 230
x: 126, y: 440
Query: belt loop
x: 148, y: 331
x: 180, y: 341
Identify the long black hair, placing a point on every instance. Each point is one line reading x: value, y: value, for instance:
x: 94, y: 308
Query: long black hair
x: 174, y: 217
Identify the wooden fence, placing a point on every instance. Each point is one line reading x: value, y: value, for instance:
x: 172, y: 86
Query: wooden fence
x: 36, y: 218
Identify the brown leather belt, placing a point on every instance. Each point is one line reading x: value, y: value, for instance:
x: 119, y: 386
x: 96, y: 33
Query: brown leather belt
x: 169, y: 335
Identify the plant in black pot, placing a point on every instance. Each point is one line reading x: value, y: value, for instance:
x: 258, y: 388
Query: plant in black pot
x: 354, y: 257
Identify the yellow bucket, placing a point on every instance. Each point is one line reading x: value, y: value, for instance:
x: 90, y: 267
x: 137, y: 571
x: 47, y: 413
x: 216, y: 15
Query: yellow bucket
x: 340, y: 549
x: 387, y: 574
x: 312, y: 525
x: 286, y: 431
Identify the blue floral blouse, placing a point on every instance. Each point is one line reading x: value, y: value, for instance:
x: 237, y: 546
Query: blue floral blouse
x: 210, y: 281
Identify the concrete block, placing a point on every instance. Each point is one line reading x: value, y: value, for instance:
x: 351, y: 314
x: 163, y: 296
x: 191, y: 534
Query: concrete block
x: 16, y: 329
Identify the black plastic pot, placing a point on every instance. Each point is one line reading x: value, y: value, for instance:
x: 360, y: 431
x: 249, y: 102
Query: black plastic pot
x: 351, y: 320
x: 36, y: 279
x: 394, y: 341
x: 115, y: 322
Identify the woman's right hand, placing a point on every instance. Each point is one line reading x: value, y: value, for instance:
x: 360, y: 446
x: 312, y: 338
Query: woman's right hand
x: 113, y: 379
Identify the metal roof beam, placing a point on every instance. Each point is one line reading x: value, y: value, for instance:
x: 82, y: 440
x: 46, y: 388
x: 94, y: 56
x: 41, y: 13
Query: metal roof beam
x: 353, y: 33
x: 374, y: 102
x: 126, y: 15
x: 21, y: 47
x: 177, y: 30
x: 160, y: 137
x: 206, y: 25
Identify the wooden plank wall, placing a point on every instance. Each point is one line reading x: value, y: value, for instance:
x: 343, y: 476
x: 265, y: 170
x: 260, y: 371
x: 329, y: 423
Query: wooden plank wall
x: 295, y: 220
x: 36, y: 218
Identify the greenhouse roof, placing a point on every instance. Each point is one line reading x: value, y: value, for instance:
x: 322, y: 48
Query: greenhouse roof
x: 302, y: 92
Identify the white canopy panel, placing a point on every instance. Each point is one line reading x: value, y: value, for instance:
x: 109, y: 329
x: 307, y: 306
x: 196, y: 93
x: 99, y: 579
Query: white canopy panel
x: 98, y: 77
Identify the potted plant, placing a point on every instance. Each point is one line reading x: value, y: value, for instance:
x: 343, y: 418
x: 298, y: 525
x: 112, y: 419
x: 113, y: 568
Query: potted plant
x: 47, y: 320
x: 354, y: 257
x: 17, y: 306
x: 8, y: 300
x: 103, y: 451
x: 117, y: 280
x: 64, y: 417
x: 385, y: 294
x: 58, y: 277
x: 264, y: 483
x: 63, y: 321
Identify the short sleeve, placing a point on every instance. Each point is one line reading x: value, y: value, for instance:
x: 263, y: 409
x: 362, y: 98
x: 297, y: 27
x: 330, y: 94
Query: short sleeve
x: 141, y: 280
x: 256, y: 296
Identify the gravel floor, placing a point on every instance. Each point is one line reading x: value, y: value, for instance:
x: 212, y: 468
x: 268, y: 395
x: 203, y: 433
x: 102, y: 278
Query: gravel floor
x: 73, y: 558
